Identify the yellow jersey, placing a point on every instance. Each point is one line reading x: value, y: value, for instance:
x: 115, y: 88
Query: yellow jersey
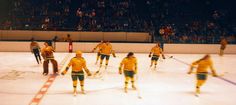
x: 106, y: 49
x: 99, y: 47
x: 203, y: 65
x: 156, y: 51
x: 47, y: 52
x: 130, y: 64
x: 78, y: 64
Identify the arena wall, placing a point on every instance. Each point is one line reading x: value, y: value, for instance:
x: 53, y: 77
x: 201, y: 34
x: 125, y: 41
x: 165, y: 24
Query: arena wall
x: 197, y: 48
x: 6, y: 46
x: 19, y: 35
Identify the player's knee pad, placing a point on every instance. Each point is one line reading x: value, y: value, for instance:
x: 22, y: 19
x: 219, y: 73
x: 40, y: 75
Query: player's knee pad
x: 132, y: 79
x: 127, y: 79
x: 54, y: 62
x: 45, y: 62
x: 81, y: 82
x: 155, y: 62
x: 74, y: 82
x: 132, y: 82
x: 200, y: 83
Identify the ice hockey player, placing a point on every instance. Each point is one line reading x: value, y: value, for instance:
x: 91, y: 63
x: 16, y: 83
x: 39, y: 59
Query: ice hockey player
x: 78, y: 64
x: 129, y: 67
x: 202, y: 71
x: 35, y: 49
x: 155, y: 53
x: 47, y: 54
x: 106, y: 51
x: 99, y: 47
x: 223, y: 44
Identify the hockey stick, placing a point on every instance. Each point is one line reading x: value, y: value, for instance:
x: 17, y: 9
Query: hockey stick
x: 80, y: 74
x: 99, y: 73
x: 102, y: 74
x: 137, y: 89
x: 160, y: 60
x: 99, y: 70
x: 219, y: 77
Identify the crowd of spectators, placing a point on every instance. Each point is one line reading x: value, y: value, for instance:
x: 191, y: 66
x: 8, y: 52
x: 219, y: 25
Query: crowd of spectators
x: 172, y: 21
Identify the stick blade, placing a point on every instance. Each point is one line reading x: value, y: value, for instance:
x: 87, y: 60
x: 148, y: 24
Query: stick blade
x: 139, y: 97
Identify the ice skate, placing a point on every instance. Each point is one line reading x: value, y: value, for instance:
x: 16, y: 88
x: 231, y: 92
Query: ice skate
x: 75, y: 92
x: 134, y: 87
x: 82, y: 91
x: 125, y: 90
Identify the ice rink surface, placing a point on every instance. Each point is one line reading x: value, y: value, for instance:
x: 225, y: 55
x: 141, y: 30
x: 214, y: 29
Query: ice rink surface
x: 21, y: 78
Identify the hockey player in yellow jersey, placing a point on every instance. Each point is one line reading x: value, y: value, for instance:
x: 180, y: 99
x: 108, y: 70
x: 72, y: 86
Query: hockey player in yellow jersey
x: 47, y: 54
x: 78, y: 64
x: 202, y: 71
x: 129, y: 67
x: 99, y: 47
x: 155, y: 53
x: 106, y: 51
x: 223, y: 44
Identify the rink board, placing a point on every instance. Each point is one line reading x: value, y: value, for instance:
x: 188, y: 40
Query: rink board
x: 6, y: 46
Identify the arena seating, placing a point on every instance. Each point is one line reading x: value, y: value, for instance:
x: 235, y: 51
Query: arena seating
x: 171, y: 21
